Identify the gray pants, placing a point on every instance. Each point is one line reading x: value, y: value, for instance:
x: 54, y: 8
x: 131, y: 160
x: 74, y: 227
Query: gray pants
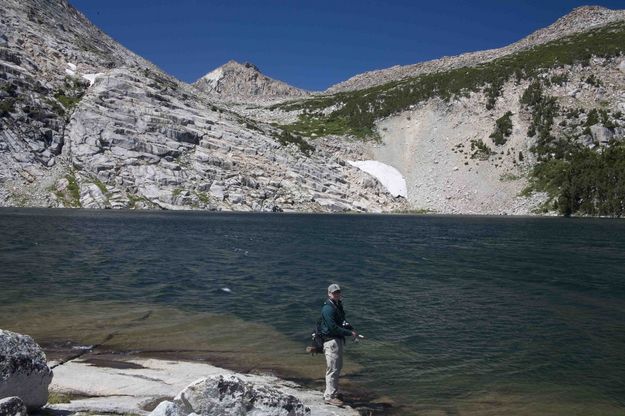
x: 333, y: 351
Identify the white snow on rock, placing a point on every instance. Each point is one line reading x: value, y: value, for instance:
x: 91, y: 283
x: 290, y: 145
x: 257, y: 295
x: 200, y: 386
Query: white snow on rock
x: 70, y: 70
x: 389, y: 177
x: 214, y: 76
x: 91, y: 77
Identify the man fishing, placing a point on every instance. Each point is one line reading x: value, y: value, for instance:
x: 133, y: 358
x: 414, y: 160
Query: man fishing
x: 334, y: 329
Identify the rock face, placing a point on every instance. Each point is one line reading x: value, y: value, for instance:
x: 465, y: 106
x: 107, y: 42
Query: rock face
x: 23, y: 370
x: 229, y: 395
x: 12, y: 406
x: 86, y: 123
x: 245, y: 83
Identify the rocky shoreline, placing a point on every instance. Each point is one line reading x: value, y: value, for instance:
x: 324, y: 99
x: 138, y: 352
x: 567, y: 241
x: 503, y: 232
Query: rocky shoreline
x: 135, y: 385
x: 79, y: 375
x: 95, y: 380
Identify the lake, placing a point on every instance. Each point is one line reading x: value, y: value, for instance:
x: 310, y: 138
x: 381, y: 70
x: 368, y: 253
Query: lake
x: 462, y: 315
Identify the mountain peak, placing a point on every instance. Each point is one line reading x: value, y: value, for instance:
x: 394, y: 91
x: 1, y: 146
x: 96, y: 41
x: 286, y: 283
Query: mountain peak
x: 238, y: 65
x: 243, y: 82
x: 583, y: 17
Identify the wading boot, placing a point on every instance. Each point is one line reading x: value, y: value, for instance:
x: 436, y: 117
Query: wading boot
x: 334, y: 402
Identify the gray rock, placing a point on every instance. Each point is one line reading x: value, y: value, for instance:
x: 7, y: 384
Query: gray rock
x: 91, y: 196
x: 229, y: 395
x: 217, y: 191
x: 621, y: 66
x: 24, y: 371
x: 236, y: 198
x: 601, y: 134
x: 587, y: 140
x: 12, y: 406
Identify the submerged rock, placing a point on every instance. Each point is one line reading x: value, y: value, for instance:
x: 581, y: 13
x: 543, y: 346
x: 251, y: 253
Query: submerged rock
x: 229, y: 395
x: 24, y: 371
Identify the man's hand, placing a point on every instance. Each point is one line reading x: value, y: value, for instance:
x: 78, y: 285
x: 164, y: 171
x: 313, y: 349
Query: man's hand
x: 354, y: 334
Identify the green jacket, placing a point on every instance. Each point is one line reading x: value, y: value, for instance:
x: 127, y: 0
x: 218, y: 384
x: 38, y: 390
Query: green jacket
x: 332, y: 318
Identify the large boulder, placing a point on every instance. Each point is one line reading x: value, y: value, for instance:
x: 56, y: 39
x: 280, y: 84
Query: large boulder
x: 229, y: 395
x: 601, y: 134
x: 12, y: 406
x: 24, y: 371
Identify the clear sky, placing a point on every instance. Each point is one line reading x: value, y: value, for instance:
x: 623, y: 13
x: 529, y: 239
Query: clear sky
x: 314, y: 44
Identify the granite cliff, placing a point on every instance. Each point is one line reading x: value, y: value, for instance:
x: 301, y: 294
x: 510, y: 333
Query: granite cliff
x: 86, y: 123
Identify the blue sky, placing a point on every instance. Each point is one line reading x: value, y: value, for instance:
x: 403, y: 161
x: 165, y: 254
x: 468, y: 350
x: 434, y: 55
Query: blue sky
x: 314, y: 44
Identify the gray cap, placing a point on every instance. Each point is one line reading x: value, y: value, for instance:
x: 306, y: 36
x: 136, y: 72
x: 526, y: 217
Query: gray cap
x: 333, y: 288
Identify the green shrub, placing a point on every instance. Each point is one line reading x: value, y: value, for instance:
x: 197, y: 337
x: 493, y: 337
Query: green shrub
x: 492, y: 91
x: 543, y: 109
x: 58, y: 398
x: 593, y: 118
x: 503, y: 129
x: 7, y: 106
x: 74, y: 190
x: 606, y: 120
x: 559, y: 79
x: 532, y: 95
x: 9, y: 88
x: 285, y: 138
x: 101, y: 186
x: 317, y: 126
x: 588, y: 183
x: 358, y: 110
x: 480, y: 150
x: 573, y: 113
x: 594, y: 81
x: 71, y: 196
x: 70, y: 93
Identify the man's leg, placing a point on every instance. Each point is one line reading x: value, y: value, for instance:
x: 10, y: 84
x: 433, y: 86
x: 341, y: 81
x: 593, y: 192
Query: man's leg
x: 333, y: 350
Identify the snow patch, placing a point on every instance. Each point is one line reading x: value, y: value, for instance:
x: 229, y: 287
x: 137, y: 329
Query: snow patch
x: 70, y: 70
x: 213, y: 77
x: 91, y: 77
x: 389, y: 177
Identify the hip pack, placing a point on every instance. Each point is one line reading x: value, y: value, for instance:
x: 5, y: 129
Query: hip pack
x: 316, y: 342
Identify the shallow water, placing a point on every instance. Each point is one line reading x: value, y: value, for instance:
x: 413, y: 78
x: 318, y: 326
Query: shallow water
x: 463, y: 315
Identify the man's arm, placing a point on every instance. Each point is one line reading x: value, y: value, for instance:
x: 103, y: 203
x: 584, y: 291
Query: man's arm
x: 329, y: 317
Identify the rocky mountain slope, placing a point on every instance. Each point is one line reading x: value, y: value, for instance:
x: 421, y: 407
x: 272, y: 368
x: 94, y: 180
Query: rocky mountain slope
x: 86, y: 123
x: 539, y: 130
x: 535, y: 127
x: 579, y: 20
x: 244, y: 83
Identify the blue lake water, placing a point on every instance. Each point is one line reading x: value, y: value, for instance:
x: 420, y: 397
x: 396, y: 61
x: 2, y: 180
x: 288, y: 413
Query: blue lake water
x: 463, y: 315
